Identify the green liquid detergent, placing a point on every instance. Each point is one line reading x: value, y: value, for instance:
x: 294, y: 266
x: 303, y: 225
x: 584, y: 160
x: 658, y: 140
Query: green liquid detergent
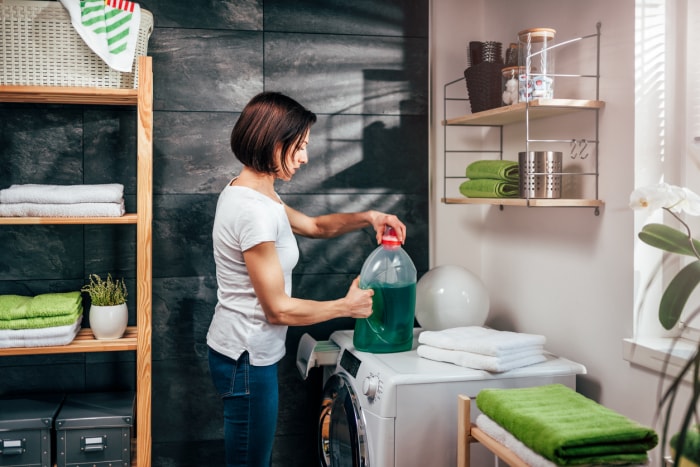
x: 390, y: 272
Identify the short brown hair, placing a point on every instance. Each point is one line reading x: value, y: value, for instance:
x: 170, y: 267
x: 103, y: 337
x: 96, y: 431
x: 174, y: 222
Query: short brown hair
x: 270, y: 121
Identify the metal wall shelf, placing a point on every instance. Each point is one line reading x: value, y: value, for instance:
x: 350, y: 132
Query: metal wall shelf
x: 527, y: 112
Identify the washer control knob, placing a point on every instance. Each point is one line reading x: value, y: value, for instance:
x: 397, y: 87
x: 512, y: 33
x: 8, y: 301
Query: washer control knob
x: 370, y: 386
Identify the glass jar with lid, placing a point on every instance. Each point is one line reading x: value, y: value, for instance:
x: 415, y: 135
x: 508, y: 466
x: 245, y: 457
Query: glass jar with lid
x: 537, y: 61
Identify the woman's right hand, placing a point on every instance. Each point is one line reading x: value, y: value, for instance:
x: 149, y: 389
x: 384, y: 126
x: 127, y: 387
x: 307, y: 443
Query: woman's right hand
x: 359, y: 300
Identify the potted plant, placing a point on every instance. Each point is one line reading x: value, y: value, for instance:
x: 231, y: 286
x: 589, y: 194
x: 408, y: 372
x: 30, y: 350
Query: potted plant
x: 676, y: 201
x: 108, y: 311
x: 690, y: 456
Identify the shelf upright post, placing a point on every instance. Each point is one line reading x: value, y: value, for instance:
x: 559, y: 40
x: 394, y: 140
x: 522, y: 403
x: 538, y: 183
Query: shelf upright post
x: 144, y: 261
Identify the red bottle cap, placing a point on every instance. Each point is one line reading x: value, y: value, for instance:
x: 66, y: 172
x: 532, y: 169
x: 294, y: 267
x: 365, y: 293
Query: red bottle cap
x: 389, y: 238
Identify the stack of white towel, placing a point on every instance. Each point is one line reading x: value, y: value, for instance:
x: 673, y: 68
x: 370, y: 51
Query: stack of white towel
x: 31, y: 200
x: 43, y: 320
x: 482, y: 348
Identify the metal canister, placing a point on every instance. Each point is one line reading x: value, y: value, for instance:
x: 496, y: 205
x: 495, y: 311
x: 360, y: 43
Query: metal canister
x: 540, y: 174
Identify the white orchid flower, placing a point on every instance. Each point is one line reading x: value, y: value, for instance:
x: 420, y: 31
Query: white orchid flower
x: 690, y: 203
x: 655, y: 197
x: 674, y: 198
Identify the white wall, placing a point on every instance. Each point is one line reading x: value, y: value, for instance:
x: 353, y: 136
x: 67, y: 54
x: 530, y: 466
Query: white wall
x: 561, y: 272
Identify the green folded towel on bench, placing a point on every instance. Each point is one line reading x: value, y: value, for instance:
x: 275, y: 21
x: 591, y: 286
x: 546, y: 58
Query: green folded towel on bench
x: 489, y: 188
x: 494, y: 169
x: 43, y: 305
x: 566, y: 427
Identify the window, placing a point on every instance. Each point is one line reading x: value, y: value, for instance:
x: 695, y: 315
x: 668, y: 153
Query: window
x: 667, y: 149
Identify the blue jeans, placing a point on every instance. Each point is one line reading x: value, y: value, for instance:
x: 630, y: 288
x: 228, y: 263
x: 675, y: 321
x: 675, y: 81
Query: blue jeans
x: 251, y: 398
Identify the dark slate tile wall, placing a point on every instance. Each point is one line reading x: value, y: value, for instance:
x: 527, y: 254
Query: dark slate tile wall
x: 362, y: 67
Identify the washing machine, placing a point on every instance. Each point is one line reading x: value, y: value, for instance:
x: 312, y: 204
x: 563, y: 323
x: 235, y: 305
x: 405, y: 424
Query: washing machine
x: 399, y: 409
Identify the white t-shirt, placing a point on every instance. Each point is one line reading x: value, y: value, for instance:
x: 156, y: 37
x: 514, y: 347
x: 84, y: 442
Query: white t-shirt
x: 245, y: 218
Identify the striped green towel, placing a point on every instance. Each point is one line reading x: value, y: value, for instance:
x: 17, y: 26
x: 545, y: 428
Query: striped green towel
x: 110, y: 28
x: 566, y: 427
x: 109, y: 17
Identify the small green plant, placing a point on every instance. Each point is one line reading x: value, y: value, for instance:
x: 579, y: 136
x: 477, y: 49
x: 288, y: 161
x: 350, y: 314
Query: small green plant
x: 691, y: 445
x: 105, y: 292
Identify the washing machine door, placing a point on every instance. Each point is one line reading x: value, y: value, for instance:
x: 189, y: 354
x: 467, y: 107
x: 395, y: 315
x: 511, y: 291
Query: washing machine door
x: 342, y: 433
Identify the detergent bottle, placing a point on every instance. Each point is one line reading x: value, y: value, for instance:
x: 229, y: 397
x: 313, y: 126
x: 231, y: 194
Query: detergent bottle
x: 389, y: 271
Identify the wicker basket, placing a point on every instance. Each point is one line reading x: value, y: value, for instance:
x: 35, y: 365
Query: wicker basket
x: 40, y: 47
x: 484, y: 86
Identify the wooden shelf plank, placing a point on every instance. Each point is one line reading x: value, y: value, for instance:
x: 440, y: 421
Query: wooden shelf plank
x: 84, y: 342
x: 541, y: 108
x: 532, y: 202
x: 68, y: 95
x: 125, y: 219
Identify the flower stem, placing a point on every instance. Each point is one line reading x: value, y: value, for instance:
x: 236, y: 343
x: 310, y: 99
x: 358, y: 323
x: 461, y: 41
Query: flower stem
x: 687, y: 229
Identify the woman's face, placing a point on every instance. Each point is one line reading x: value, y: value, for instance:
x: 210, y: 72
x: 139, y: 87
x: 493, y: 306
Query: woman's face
x: 295, y: 159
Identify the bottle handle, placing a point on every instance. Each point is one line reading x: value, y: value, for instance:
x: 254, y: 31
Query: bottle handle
x: 373, y: 321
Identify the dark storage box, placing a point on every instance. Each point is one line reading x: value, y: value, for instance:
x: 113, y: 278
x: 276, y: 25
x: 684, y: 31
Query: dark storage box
x: 26, y: 430
x: 94, y: 430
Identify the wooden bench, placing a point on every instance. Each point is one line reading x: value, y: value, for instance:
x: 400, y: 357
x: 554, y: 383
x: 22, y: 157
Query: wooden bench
x: 468, y: 433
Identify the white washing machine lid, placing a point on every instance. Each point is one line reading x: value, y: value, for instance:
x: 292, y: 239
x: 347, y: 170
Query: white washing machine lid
x: 409, y: 368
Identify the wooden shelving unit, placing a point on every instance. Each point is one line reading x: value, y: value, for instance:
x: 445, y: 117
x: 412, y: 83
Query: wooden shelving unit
x: 527, y: 112
x: 137, y: 338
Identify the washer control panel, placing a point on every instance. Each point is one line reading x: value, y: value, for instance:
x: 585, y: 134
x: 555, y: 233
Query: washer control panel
x: 350, y: 363
x: 372, y: 387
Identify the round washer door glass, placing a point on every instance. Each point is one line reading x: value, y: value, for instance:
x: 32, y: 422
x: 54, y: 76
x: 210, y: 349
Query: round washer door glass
x: 342, y: 436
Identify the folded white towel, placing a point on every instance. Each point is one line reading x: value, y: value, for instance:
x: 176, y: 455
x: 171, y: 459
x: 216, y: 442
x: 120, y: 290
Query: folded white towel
x: 481, y: 340
x: 62, y: 210
x: 63, y: 194
x: 530, y: 457
x: 41, y: 337
x: 109, y: 27
x: 480, y: 361
x: 495, y: 431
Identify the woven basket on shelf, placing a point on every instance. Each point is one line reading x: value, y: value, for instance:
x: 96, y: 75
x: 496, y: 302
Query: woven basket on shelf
x: 40, y: 47
x: 484, y: 86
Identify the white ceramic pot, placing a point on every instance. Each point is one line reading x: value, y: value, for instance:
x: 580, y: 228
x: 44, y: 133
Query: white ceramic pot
x: 108, y: 322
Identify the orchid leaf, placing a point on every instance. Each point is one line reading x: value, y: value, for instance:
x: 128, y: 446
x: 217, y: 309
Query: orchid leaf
x: 667, y: 238
x: 676, y: 294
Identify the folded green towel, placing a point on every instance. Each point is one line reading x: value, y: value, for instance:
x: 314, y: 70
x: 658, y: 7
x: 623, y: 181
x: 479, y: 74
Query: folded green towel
x: 489, y: 188
x: 497, y: 169
x: 566, y: 427
x: 14, y: 306
x: 55, y: 304
x: 44, y: 305
x: 38, y: 322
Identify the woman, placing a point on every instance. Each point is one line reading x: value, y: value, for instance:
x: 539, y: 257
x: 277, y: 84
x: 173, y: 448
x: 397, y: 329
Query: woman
x: 255, y: 251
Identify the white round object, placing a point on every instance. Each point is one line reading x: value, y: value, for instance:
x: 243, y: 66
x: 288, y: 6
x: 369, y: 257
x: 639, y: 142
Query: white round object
x: 108, y: 321
x: 451, y: 296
